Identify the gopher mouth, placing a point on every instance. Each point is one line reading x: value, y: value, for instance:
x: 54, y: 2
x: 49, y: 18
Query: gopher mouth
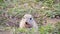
x: 27, y: 25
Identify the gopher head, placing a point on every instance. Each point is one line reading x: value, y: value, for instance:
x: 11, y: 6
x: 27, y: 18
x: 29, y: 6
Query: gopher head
x: 27, y: 22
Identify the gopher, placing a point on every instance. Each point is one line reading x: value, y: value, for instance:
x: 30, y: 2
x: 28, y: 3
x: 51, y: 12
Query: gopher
x: 28, y: 22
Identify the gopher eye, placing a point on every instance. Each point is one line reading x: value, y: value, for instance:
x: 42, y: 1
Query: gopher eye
x: 30, y: 18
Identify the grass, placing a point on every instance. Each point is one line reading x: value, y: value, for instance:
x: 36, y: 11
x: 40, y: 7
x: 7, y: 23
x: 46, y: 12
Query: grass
x: 13, y: 10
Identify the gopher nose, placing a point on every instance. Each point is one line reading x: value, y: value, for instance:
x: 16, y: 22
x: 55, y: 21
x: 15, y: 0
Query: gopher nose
x: 28, y: 25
